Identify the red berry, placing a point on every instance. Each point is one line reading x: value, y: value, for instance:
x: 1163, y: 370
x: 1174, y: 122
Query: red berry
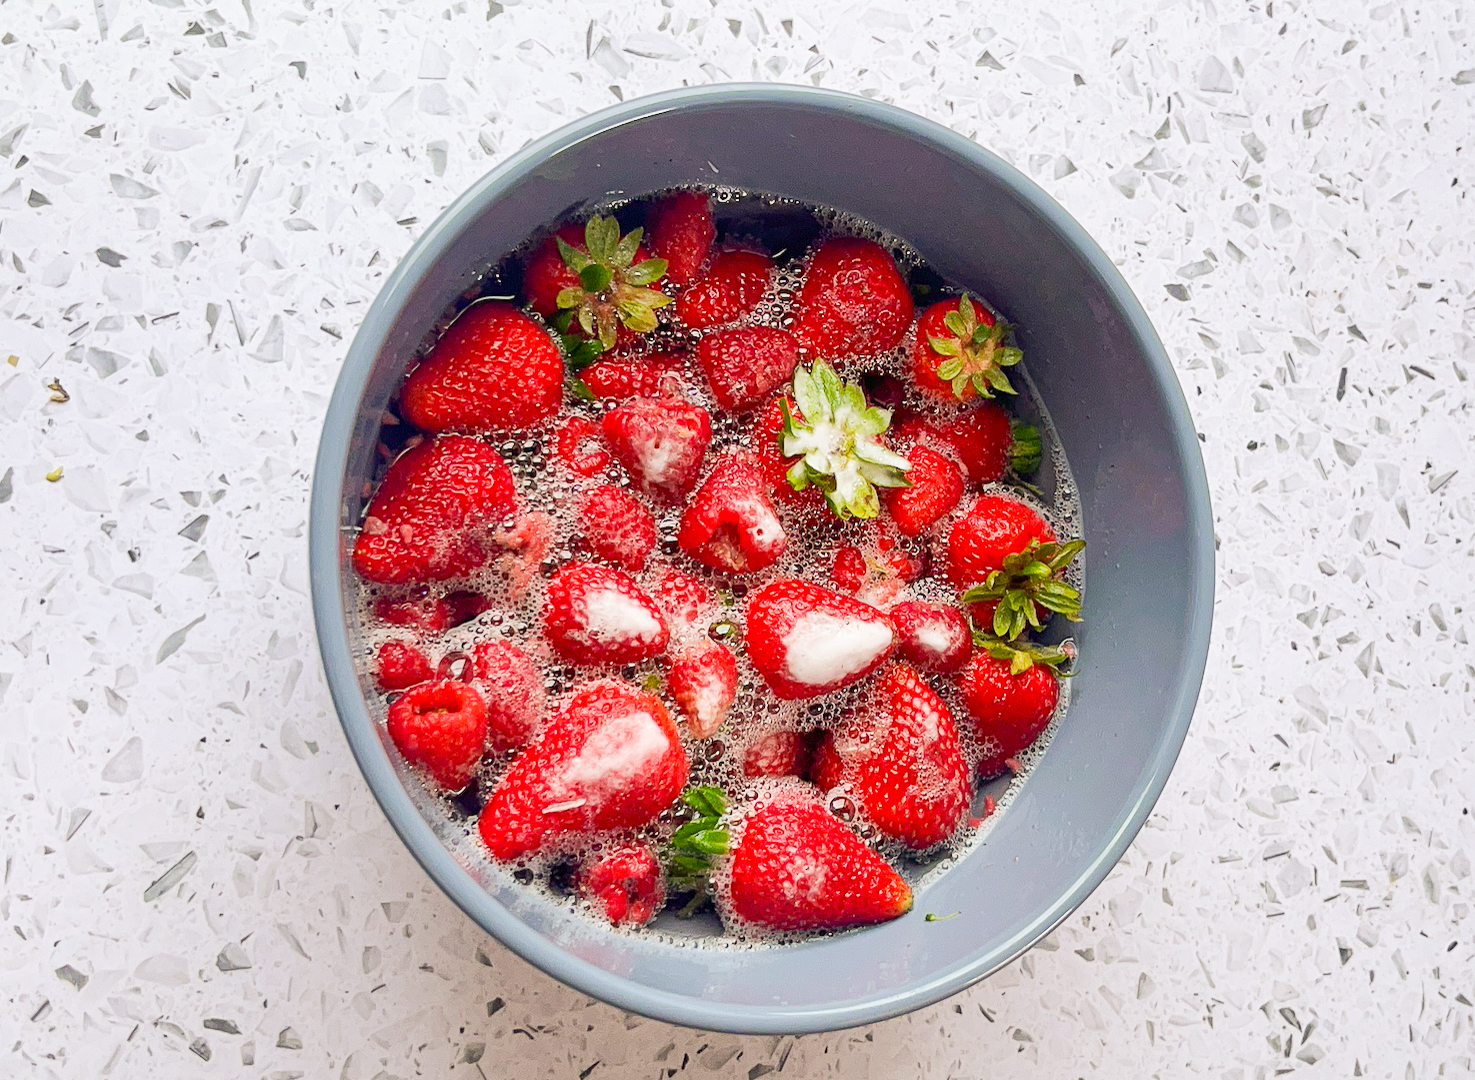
x: 416, y: 613
x: 850, y: 570
x: 937, y: 485
x: 780, y: 753
x: 854, y: 301
x: 463, y: 605
x: 611, y: 758
x: 935, y: 637
x: 980, y: 439
x: 967, y: 357
x: 1008, y: 711
x: 619, y: 378
x: 681, y: 231
x: 597, y: 615
x: 731, y: 525
x: 617, y: 526
x: 546, y: 274
x: 495, y: 369
x: 627, y: 885
x: 703, y: 682
x: 661, y: 442
x: 513, y: 689
x: 995, y: 527
x: 419, y: 524
x: 685, y: 601
x: 581, y: 447
x: 745, y: 364
x: 400, y: 666
x: 807, y: 641
x: 732, y: 286
x: 809, y: 505
x: 441, y: 727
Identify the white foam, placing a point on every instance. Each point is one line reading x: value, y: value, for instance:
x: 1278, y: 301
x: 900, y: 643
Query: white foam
x: 823, y: 649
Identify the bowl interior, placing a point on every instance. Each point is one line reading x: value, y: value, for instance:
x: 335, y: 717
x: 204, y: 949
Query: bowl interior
x: 1124, y: 428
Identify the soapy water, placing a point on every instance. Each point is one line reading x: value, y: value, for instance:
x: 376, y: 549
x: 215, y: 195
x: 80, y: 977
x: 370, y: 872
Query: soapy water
x: 516, y: 590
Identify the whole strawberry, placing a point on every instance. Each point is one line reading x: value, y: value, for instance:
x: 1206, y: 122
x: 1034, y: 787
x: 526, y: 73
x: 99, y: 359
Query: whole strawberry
x: 731, y: 288
x: 619, y: 378
x: 854, y: 301
x: 960, y: 351
x: 985, y: 441
x: 807, y: 641
x: 1010, y: 698
x: 745, y: 364
x: 903, y: 761
x: 731, y: 525
x: 626, y: 884
x: 661, y: 442
x: 495, y: 369
x: 995, y: 527
x: 611, y: 758
x: 681, y: 231
x: 442, y: 728
x: 795, y: 867
x: 598, y: 615
x: 399, y: 665
x: 419, y: 523
x: 1013, y: 566
x: 768, y: 429
x: 593, y: 282
x: 512, y: 687
x: 935, y: 488
x: 618, y: 527
x: 703, y: 681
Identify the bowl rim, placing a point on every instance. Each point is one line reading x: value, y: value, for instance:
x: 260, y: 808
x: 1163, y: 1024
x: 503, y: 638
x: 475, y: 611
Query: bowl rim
x: 325, y: 571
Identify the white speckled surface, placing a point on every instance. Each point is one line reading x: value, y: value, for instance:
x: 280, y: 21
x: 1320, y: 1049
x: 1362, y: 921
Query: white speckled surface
x: 197, y: 202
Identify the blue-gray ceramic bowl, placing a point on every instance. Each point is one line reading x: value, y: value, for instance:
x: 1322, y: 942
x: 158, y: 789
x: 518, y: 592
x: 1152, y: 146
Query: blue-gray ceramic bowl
x: 1125, y: 429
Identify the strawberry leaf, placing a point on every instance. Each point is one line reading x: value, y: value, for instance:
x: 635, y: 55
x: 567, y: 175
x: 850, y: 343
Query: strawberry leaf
x: 696, y: 844
x: 1023, y: 655
x: 595, y: 278
x: 974, y: 357
x: 1028, y: 581
x: 1026, y: 451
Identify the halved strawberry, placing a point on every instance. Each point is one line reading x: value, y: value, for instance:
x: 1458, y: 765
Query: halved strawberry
x: 598, y: 615
x: 419, y: 524
x: 746, y: 363
x: 731, y: 525
x: 780, y: 753
x: 936, y: 486
x: 795, y: 867
x: 935, y: 637
x: 661, y: 442
x: 807, y: 641
x: 854, y: 301
x: 903, y: 761
x: 495, y: 369
x: 731, y: 288
x: 1009, y: 703
x: 984, y: 440
x: 399, y: 665
x: 581, y: 447
x: 617, y: 526
x: 685, y: 601
x: 441, y: 727
x: 626, y: 884
x: 621, y: 377
x: 703, y: 681
x: 959, y: 353
x: 681, y: 232
x: 513, y: 690
x: 611, y: 758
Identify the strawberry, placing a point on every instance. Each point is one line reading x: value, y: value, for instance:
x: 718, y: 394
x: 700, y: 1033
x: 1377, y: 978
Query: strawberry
x: 850, y: 570
x: 984, y: 440
x: 545, y: 274
x: 767, y: 430
x: 959, y: 353
x: 617, y: 526
x: 681, y: 232
x: 414, y: 612
x: 994, y: 527
x: 731, y: 524
x: 595, y: 281
x: 684, y: 600
x: 597, y: 615
x: 904, y: 763
x: 525, y: 545
x: 1006, y: 558
x: 1010, y: 700
x: 419, y: 523
x: 626, y: 884
x: 807, y: 641
x: 513, y: 689
x: 703, y: 682
x: 580, y: 446
x: 442, y: 727
x: 463, y: 605
x: 661, y: 442
x: 618, y: 378
x: 780, y: 753
x: 495, y: 369
x: 611, y: 758
x: 399, y: 666
x: 854, y: 301
x: 936, y: 487
x: 732, y: 286
x: 795, y: 867
x: 934, y: 637
x: 744, y: 364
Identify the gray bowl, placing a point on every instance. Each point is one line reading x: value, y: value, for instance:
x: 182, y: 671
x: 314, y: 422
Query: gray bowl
x: 1125, y: 429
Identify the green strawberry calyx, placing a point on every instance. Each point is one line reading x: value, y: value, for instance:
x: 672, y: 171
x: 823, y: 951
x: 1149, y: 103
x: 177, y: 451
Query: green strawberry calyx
x: 1026, y: 451
x: 1030, y: 580
x: 1023, y: 655
x: 611, y: 292
x: 696, y: 845
x: 975, y: 355
x: 838, y: 443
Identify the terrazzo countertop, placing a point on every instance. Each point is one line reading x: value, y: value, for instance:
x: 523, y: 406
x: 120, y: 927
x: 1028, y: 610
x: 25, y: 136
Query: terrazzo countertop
x: 197, y: 204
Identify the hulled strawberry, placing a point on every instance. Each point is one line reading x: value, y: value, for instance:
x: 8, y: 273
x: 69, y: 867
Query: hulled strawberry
x: 985, y: 441
x: 730, y: 524
x: 1007, y: 559
x: 731, y: 288
x: 495, y: 369
x: 686, y: 602
x: 441, y: 727
x: 703, y: 680
x: 903, y: 762
x: 934, y: 637
x: 780, y: 753
x: 598, y: 615
x: 1010, y: 693
x: 807, y: 641
x: 513, y: 690
x: 935, y: 488
x: 618, y: 378
x: 960, y: 351
x: 626, y: 884
x: 795, y: 867
x: 681, y: 231
x: 420, y: 521
x: 618, y: 527
x: 611, y: 758
x: 745, y: 364
x: 399, y: 665
x: 596, y: 282
x: 854, y: 300
x: 661, y: 442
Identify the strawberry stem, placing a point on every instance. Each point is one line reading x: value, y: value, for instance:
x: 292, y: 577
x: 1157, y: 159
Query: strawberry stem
x: 1029, y: 580
x: 1023, y: 655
